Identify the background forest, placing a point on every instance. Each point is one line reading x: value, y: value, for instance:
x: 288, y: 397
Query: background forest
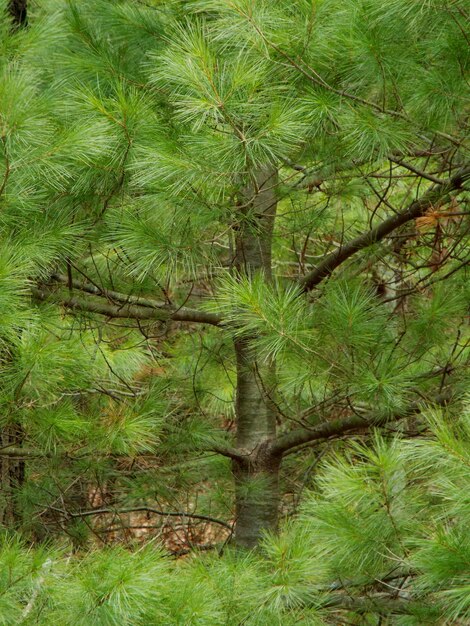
x: 234, y: 312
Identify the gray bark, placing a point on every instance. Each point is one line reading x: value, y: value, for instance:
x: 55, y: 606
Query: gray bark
x: 257, y: 471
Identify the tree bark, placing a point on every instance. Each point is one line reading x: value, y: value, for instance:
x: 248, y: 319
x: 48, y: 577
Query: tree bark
x: 19, y: 12
x: 257, y: 496
x: 256, y: 473
x: 12, y: 473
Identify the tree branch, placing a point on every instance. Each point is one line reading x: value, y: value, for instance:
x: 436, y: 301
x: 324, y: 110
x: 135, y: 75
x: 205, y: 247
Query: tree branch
x: 112, y: 296
x: 327, y: 430
x: 182, y: 514
x: 230, y: 453
x: 127, y: 307
x: 415, y: 170
x: 21, y: 453
x: 435, y: 196
x: 380, y: 603
x: 335, y: 428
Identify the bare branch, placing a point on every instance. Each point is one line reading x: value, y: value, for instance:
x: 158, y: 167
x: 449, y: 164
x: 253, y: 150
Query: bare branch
x: 435, y: 196
x: 147, y: 509
x: 415, y: 170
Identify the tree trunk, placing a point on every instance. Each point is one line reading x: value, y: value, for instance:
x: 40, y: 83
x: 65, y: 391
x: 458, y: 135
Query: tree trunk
x: 12, y: 475
x: 19, y: 13
x: 257, y: 475
x: 257, y: 496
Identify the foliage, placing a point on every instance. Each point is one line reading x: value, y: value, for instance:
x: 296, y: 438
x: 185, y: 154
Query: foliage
x: 133, y: 136
x: 391, y: 514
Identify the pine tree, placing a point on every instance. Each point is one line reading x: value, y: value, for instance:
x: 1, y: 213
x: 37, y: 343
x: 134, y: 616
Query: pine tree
x: 235, y: 249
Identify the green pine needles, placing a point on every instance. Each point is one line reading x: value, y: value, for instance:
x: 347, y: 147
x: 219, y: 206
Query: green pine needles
x: 234, y: 297
x: 383, y: 533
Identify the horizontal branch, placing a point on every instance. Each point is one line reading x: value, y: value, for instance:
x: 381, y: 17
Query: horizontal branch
x: 435, y: 196
x: 284, y: 444
x: 147, y: 509
x: 380, y: 603
x: 123, y: 307
x: 16, y: 452
x: 21, y: 453
x: 327, y: 430
x: 227, y: 451
x: 109, y: 294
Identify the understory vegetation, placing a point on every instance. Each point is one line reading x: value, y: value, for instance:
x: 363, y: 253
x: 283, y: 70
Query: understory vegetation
x: 384, y: 532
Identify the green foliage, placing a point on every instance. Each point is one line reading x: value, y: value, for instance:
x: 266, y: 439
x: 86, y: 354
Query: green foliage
x: 132, y: 134
x: 116, y: 588
x: 378, y: 515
